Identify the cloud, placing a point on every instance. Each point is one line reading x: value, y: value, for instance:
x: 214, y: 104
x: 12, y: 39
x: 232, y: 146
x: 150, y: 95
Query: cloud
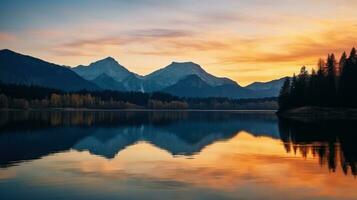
x: 159, y: 33
x: 133, y: 36
x: 298, y: 47
x: 218, y: 18
x: 181, y: 47
x: 5, y: 37
x: 46, y: 33
x: 71, y: 52
x: 96, y: 42
x: 161, y: 39
x: 268, y: 50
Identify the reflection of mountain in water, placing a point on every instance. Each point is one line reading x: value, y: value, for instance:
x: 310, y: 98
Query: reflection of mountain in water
x: 106, y: 133
x: 27, y: 145
x: 185, y: 136
x: 333, y: 142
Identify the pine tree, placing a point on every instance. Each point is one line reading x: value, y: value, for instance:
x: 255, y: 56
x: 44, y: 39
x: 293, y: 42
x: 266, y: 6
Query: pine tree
x: 320, y: 79
x: 352, y: 80
x: 342, y: 62
x: 284, y: 96
x: 341, y: 84
x: 333, y: 84
x: 348, y: 81
x: 294, y: 98
x: 321, y: 65
x: 330, y: 80
x: 313, y: 89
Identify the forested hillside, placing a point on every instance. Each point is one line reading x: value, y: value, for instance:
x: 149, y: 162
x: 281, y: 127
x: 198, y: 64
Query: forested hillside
x: 35, y: 97
x: 333, y: 84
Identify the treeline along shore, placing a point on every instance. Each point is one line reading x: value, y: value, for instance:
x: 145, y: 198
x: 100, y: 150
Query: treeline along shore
x: 13, y: 96
x: 328, y: 92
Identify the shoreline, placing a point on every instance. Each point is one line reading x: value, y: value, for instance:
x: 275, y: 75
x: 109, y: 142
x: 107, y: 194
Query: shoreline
x: 135, y: 110
x: 319, y: 113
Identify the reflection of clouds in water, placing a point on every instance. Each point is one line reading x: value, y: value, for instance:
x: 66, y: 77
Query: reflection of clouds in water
x: 223, y: 166
x: 133, y: 156
x: 7, y: 174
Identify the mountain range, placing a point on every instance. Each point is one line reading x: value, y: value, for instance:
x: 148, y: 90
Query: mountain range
x: 184, y: 79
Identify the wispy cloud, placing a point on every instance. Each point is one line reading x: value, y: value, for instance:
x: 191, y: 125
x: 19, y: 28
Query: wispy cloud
x: 241, y: 39
x: 225, y: 53
x: 158, y: 33
x: 5, y: 37
x: 161, y: 38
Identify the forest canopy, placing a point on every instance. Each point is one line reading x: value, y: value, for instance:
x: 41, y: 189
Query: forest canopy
x: 36, y: 97
x: 333, y: 84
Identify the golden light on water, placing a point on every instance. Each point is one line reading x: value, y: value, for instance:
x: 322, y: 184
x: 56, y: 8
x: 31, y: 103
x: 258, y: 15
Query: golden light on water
x: 239, y: 163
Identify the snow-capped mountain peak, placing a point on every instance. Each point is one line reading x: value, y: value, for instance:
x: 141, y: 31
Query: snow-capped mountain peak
x: 178, y: 70
x: 107, y: 66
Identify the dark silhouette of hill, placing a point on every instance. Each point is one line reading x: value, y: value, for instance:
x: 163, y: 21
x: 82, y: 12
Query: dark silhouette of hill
x: 21, y: 69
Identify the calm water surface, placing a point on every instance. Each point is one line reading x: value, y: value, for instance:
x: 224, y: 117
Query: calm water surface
x: 174, y: 155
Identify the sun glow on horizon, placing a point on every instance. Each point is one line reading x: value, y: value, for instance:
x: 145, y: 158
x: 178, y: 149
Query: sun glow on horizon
x: 231, y: 165
x: 226, y: 38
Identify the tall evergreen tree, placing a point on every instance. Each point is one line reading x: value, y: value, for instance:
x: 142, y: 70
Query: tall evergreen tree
x: 353, y: 54
x: 301, y: 87
x: 284, y: 97
x: 348, y: 80
x: 330, y: 80
x: 342, y: 62
x: 293, y: 92
x: 352, y: 80
x: 341, y: 84
x: 321, y: 65
x: 333, y: 85
x: 320, y: 77
x: 313, y: 89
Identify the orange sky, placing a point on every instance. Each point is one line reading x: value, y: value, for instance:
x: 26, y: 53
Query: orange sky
x: 244, y: 40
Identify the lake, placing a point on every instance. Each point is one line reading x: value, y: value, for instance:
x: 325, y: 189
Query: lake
x: 174, y: 155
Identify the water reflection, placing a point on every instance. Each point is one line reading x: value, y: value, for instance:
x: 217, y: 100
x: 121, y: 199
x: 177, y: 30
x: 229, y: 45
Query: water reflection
x: 174, y: 155
x: 107, y: 133
x: 333, y: 142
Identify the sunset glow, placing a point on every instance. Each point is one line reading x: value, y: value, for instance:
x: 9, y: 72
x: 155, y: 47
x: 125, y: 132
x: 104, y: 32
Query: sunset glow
x: 224, y: 166
x: 244, y: 40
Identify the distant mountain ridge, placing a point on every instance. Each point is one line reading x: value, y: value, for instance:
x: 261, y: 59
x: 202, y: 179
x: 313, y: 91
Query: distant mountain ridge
x: 176, y: 71
x: 107, y: 66
x: 272, y: 87
x: 184, y: 79
x: 155, y: 81
x: 194, y: 86
x: 108, y: 83
x: 22, y: 69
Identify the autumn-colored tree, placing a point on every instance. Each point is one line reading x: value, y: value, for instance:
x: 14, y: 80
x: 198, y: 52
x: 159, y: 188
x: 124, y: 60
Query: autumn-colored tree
x: 55, y: 100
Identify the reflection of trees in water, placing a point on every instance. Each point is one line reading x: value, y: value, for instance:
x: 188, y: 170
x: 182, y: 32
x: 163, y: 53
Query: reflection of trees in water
x: 32, y: 134
x: 333, y: 142
x: 41, y: 119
